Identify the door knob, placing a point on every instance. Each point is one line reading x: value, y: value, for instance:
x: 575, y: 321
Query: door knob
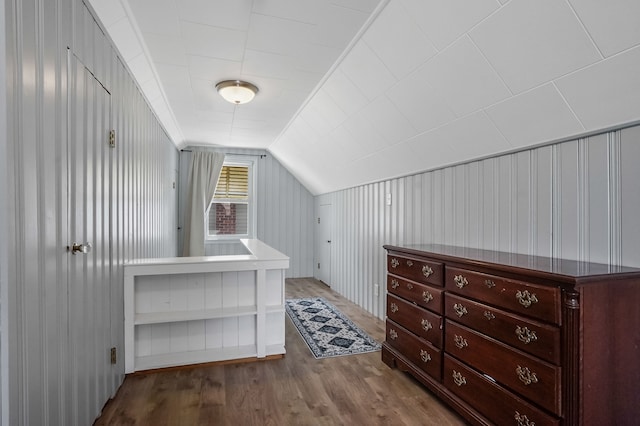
x: 328, y: 241
x: 81, y: 248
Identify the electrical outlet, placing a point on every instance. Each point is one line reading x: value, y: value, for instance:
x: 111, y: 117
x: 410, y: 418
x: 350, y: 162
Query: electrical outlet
x: 376, y: 290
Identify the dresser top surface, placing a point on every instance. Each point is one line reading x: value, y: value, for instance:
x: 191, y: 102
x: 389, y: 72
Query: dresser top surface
x: 514, y: 262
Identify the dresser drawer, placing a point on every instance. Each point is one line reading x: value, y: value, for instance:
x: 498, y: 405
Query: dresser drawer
x: 415, y: 269
x: 491, y: 400
x: 536, y: 338
x: 422, y: 354
x: 526, y: 375
x: 517, y: 296
x: 420, y: 294
x: 415, y: 319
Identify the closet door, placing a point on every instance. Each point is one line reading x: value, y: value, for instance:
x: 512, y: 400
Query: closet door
x: 90, y: 279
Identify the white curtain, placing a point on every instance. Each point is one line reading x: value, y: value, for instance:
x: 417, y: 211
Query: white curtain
x: 203, y: 176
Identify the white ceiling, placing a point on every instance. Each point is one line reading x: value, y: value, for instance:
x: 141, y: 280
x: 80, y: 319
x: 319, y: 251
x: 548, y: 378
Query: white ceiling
x: 355, y: 91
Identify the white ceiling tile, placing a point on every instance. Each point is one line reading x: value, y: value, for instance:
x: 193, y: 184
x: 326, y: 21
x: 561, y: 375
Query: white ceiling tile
x: 443, y: 21
x: 432, y: 151
x: 346, y: 95
x: 361, y: 5
x: 124, y: 36
x: 206, y: 98
x: 267, y: 65
x: 464, y: 79
x: 540, y: 115
x: 109, y: 11
x: 166, y: 49
x: 606, y: 93
x: 172, y: 75
x: 276, y: 35
x: 151, y: 90
x: 156, y: 16
x: 420, y: 103
x: 337, y: 26
x: 296, y: 10
x: 613, y: 24
x: 317, y: 121
x: 388, y: 121
x: 141, y: 68
x: 316, y: 59
x: 213, y: 69
x: 328, y: 108
x: 469, y: 137
x: 225, y: 14
x: 362, y: 131
x: 213, y: 42
x: 403, y: 49
x: 367, y: 71
x: 532, y: 42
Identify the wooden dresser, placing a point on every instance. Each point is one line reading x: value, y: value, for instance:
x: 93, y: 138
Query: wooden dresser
x: 512, y: 339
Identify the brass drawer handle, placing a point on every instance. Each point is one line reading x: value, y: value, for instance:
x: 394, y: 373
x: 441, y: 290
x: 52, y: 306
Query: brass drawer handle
x: 489, y: 283
x: 394, y: 263
x: 525, y: 335
x: 460, y: 310
x: 394, y: 284
x: 426, y: 271
x: 424, y: 355
x: 460, y: 342
x: 489, y: 315
x: 460, y: 281
x: 523, y: 420
x: 410, y: 286
x: 393, y: 334
x: 526, y: 299
x: 426, y: 325
x: 458, y: 378
x: 526, y: 376
x: 394, y: 308
x: 409, y: 263
x: 427, y: 297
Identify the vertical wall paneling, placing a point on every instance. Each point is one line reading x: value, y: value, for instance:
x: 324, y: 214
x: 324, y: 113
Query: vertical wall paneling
x: 60, y: 314
x: 4, y: 220
x: 577, y: 199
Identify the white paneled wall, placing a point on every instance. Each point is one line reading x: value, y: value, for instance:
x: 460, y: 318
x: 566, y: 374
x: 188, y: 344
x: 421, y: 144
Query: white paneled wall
x: 578, y: 199
x: 285, y: 210
x: 61, y: 314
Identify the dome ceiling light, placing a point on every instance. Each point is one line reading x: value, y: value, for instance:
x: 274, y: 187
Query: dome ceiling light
x: 236, y: 91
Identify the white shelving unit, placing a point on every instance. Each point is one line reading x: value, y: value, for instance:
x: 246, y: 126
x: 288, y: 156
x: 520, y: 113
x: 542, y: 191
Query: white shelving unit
x: 188, y: 310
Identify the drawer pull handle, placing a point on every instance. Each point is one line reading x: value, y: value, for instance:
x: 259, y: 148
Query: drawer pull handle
x: 424, y: 355
x: 410, y: 286
x: 526, y: 299
x: 394, y: 284
x: 460, y: 342
x: 393, y: 334
x: 488, y: 315
x: 426, y: 271
x: 394, y: 263
x: 460, y: 281
x: 526, y: 376
x: 458, y: 378
x: 427, y: 297
x: 394, y: 308
x: 460, y: 310
x: 489, y: 283
x: 426, y: 325
x: 525, y: 335
x: 523, y: 420
x: 409, y: 263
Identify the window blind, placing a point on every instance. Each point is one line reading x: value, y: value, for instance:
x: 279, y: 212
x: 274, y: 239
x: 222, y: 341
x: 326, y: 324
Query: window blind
x: 233, y: 183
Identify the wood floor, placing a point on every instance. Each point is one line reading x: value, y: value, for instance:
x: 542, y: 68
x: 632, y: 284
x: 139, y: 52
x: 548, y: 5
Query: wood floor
x: 294, y: 390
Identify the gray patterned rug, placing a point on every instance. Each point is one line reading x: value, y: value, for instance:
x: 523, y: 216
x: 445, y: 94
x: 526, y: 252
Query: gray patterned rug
x: 326, y: 330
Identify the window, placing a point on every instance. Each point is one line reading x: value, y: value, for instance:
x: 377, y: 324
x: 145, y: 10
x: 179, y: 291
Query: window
x: 231, y: 213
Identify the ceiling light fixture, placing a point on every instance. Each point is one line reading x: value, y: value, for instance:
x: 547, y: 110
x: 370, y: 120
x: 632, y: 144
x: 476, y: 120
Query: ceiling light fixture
x: 236, y: 91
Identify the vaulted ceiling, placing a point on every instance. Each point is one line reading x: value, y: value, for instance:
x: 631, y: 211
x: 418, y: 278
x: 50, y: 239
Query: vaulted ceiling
x: 356, y: 91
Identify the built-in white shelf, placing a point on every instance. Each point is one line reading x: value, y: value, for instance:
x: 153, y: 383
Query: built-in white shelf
x: 190, y: 310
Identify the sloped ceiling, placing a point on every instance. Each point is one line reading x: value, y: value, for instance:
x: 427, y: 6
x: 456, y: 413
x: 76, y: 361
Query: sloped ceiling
x: 356, y: 91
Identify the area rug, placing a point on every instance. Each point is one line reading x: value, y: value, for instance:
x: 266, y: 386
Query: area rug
x: 326, y: 330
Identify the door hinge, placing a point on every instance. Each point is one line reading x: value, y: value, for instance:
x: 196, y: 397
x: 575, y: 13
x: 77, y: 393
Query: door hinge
x: 112, y: 138
x: 113, y: 356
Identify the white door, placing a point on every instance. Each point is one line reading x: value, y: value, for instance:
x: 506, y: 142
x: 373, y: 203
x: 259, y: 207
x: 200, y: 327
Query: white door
x: 324, y: 244
x: 90, y: 274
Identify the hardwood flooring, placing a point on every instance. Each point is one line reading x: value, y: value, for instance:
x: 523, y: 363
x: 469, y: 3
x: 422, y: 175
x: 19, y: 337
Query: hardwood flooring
x: 294, y: 390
